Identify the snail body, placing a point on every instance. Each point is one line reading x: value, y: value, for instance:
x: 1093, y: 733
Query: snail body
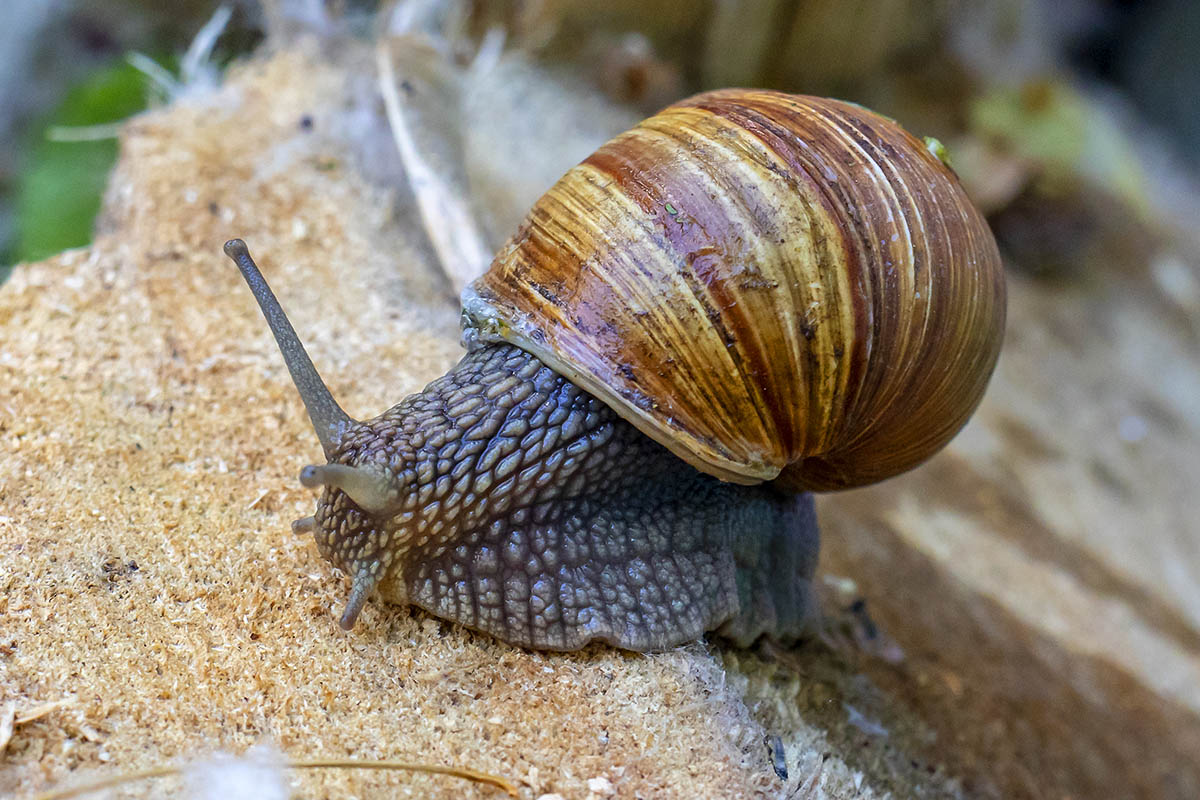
x: 748, y: 296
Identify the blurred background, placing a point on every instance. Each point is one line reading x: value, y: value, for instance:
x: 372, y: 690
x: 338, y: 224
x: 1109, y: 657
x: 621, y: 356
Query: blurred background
x: 1034, y: 592
x: 1068, y: 120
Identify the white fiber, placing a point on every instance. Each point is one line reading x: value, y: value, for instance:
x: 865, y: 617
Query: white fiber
x: 257, y: 774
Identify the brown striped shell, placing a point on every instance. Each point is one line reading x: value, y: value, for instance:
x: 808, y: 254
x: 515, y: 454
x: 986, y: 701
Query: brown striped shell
x: 772, y: 286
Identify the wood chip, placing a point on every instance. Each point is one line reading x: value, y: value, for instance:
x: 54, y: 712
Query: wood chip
x: 8, y: 715
x: 39, y: 711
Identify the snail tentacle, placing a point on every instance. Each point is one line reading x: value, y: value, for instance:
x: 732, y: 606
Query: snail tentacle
x: 328, y: 418
x: 371, y: 489
x: 365, y: 581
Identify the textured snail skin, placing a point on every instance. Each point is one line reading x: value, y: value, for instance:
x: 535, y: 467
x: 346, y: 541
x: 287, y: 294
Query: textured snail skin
x: 527, y: 509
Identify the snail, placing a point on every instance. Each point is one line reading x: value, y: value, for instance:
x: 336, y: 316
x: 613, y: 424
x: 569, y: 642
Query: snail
x: 748, y: 297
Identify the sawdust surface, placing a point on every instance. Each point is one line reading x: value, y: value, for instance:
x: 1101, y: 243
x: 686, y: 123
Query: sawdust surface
x: 1019, y: 618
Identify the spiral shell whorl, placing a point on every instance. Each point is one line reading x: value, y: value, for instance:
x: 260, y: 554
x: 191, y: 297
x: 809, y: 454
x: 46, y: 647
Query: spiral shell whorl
x: 761, y: 282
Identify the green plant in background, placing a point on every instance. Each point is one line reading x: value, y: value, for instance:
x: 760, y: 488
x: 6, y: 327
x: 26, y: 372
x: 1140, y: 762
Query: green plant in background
x: 1069, y: 136
x: 58, y: 193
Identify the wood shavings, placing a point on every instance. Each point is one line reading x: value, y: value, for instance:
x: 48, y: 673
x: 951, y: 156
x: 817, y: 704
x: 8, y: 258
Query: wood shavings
x: 601, y: 787
x: 262, y: 493
x: 41, y: 710
x: 10, y: 717
x: 808, y: 789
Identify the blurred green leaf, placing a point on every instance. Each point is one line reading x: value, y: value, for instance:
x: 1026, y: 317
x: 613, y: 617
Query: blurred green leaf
x: 58, y: 195
x: 1069, y: 135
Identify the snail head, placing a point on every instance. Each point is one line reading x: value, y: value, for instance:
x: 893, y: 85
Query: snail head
x: 351, y: 524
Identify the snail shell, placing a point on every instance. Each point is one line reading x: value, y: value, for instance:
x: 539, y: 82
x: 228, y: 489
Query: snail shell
x: 775, y: 287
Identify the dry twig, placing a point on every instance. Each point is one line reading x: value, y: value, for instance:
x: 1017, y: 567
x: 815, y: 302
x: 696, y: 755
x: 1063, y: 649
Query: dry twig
x: 322, y: 763
x: 448, y: 220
